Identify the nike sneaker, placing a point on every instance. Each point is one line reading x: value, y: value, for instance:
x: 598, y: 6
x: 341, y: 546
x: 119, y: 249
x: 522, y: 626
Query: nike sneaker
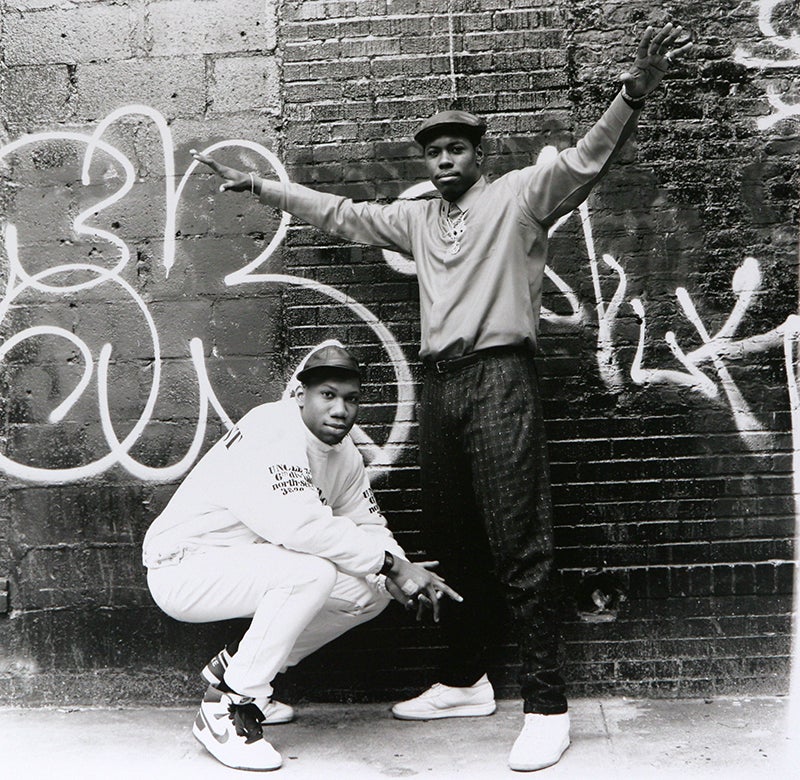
x: 214, y: 674
x: 232, y: 731
x: 445, y: 701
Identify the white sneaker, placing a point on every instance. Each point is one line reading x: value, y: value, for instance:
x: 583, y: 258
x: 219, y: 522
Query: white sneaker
x: 234, y: 736
x: 274, y: 711
x: 541, y: 743
x: 444, y: 701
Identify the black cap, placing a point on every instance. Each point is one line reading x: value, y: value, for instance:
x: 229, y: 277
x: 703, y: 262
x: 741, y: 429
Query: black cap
x: 332, y: 357
x: 473, y: 127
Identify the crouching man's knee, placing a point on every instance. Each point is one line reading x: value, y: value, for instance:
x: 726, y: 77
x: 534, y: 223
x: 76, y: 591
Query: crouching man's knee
x: 375, y: 605
x: 319, y: 571
x: 358, y: 597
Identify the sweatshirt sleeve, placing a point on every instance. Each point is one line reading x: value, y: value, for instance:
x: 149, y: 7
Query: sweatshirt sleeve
x: 357, y: 501
x: 271, y: 491
x: 385, y: 226
x: 550, y: 190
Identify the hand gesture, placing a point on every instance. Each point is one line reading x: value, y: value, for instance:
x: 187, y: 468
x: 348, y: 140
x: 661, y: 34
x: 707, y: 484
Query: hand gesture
x: 654, y: 56
x: 411, y: 583
x: 233, y: 179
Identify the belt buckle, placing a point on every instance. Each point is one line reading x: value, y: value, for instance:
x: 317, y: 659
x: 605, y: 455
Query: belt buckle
x: 440, y: 366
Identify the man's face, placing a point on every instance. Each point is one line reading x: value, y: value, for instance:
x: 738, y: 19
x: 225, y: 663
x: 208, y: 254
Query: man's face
x: 329, y: 406
x: 453, y: 164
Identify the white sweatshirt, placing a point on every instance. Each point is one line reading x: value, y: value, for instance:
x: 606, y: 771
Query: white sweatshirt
x: 269, y: 479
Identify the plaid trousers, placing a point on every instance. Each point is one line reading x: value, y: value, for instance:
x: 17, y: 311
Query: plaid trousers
x: 488, y: 512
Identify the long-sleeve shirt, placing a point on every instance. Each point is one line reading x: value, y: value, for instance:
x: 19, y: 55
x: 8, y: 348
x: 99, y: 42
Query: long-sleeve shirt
x: 271, y: 480
x: 489, y: 292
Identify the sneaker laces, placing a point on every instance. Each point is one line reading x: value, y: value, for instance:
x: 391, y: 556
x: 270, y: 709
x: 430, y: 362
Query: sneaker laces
x: 247, y: 720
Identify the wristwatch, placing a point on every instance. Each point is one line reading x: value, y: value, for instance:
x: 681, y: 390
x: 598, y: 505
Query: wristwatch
x: 634, y: 103
x: 388, y: 563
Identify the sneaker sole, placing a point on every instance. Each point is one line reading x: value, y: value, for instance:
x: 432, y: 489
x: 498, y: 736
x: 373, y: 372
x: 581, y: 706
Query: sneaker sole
x: 278, y: 720
x: 464, y: 711
x: 198, y: 735
x: 536, y: 767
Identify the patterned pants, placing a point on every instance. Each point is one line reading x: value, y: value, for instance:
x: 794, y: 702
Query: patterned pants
x: 486, y: 502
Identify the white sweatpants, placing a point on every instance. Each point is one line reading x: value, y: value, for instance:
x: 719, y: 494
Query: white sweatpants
x: 297, y: 603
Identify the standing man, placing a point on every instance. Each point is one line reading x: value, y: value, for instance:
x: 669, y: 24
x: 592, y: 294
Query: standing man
x: 480, y: 253
x: 277, y: 522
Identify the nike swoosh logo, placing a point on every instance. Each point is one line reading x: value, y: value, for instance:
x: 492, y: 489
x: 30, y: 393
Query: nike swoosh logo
x: 221, y: 738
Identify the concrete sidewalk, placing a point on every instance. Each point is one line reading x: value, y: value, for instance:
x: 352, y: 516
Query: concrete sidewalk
x: 611, y: 738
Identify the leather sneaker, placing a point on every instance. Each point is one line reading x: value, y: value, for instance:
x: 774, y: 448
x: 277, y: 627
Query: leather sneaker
x: 444, y: 701
x: 214, y: 673
x: 233, y: 734
x: 541, y: 743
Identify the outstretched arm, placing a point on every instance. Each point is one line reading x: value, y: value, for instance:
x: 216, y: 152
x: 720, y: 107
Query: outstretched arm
x: 363, y: 223
x: 556, y: 188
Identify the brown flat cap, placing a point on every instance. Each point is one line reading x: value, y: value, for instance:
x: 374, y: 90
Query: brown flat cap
x: 448, y: 121
x: 332, y: 358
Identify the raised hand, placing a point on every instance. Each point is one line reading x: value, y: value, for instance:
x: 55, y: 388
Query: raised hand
x: 656, y: 52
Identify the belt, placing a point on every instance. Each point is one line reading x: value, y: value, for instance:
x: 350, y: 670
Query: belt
x: 448, y: 365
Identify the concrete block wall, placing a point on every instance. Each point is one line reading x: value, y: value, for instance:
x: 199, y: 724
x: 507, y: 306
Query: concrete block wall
x: 662, y: 356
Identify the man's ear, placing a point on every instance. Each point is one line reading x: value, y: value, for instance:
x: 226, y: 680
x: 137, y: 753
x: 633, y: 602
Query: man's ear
x: 300, y: 396
x: 478, y: 154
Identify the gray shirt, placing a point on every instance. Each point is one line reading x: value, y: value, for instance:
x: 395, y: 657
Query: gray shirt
x: 481, y: 287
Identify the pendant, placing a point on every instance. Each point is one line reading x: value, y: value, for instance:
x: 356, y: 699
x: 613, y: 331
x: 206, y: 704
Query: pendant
x: 455, y: 248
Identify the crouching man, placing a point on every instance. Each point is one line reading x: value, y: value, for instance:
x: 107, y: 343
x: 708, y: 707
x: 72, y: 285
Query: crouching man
x: 278, y: 523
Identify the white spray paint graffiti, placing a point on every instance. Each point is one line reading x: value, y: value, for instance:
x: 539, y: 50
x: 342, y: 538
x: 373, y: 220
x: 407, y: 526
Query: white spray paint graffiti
x: 783, y: 110
x: 713, y: 351
x: 766, y: 10
x: 746, y: 282
x: 20, y: 281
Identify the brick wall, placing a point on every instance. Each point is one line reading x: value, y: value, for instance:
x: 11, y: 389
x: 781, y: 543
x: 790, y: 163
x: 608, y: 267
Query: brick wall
x: 672, y: 469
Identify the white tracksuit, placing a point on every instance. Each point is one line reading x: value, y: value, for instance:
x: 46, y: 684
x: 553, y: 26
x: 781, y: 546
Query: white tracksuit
x: 275, y: 525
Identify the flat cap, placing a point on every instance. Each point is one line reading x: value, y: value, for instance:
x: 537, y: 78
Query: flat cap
x: 331, y: 357
x: 462, y: 121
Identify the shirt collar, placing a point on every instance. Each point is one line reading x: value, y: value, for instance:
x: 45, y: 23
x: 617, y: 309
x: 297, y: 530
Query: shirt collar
x: 472, y: 195
x: 313, y: 444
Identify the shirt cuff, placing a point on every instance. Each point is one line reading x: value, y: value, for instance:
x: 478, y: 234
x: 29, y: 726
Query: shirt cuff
x: 273, y: 193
